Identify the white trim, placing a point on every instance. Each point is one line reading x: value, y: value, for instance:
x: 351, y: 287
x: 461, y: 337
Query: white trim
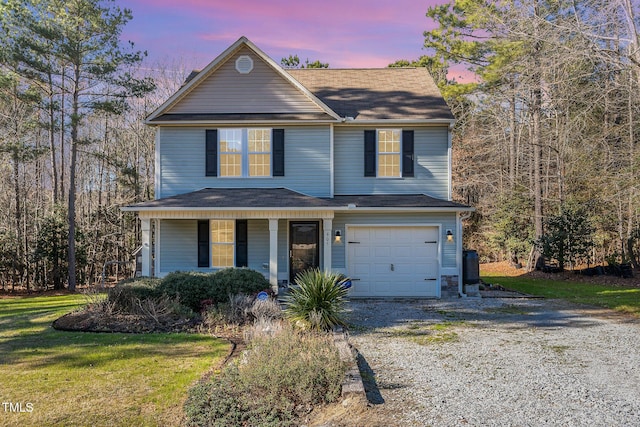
x: 273, y: 253
x: 399, y: 153
x: 327, y: 228
x: 209, y: 123
x: 244, y: 64
x: 157, y: 186
x: 157, y: 250
x: 301, y: 209
x: 245, y: 164
x: 385, y: 122
x: 145, y: 228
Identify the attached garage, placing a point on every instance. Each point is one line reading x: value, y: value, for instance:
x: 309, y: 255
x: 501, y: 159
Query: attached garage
x: 393, y: 261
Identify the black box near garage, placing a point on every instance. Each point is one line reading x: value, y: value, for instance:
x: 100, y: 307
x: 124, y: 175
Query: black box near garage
x: 470, y: 267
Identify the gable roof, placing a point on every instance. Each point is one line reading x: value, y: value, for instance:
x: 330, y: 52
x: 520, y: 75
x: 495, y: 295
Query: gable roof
x: 195, y: 79
x: 338, y: 95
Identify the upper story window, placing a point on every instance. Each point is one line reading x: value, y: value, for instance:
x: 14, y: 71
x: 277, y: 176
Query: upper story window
x: 245, y: 152
x: 389, y: 154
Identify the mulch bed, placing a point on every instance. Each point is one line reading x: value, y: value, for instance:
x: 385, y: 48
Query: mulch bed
x: 88, y: 321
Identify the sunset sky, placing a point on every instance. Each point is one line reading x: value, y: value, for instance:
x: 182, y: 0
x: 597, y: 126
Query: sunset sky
x: 344, y: 33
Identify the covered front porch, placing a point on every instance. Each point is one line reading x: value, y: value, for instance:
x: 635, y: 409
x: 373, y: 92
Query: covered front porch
x: 277, y: 232
x: 277, y: 244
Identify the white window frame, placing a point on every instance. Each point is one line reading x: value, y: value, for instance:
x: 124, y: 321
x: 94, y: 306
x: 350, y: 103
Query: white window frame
x: 213, y: 242
x: 245, y: 153
x: 391, y: 153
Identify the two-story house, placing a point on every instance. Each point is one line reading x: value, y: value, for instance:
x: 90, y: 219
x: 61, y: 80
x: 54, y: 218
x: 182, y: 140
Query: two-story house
x: 281, y: 170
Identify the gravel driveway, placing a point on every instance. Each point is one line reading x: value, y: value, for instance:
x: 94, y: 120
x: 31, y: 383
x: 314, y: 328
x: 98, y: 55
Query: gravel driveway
x: 496, y: 362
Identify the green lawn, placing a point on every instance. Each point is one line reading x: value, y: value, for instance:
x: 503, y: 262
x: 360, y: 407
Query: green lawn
x: 93, y: 379
x: 623, y: 299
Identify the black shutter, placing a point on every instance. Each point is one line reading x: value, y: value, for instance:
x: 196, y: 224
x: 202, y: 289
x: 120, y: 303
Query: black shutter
x: 369, y: 153
x: 407, y: 153
x: 211, y: 153
x: 278, y: 152
x: 242, y: 243
x: 203, y: 243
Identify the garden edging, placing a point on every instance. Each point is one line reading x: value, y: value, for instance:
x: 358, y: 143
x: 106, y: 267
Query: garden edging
x: 352, y: 386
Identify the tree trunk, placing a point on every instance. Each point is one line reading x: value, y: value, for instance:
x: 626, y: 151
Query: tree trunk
x: 75, y: 122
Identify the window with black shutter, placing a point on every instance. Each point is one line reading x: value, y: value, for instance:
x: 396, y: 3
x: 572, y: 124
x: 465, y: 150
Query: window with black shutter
x: 369, y: 153
x: 242, y: 243
x: 407, y: 153
x: 211, y: 152
x: 203, y: 243
x: 388, y: 153
x: 278, y: 152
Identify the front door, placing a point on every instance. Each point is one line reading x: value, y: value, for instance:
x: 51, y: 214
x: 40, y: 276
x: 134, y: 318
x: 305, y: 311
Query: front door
x: 304, y: 250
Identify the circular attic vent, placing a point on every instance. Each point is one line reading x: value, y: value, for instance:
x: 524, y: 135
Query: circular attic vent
x: 244, y: 64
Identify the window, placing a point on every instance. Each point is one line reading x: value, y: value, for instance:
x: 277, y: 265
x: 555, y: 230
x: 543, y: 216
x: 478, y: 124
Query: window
x: 222, y: 243
x: 245, y: 152
x: 259, y: 152
x: 389, y: 153
x: 231, y: 152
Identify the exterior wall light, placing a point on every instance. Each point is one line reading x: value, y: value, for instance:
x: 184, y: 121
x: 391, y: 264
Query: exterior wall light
x: 338, y: 237
x: 449, y: 236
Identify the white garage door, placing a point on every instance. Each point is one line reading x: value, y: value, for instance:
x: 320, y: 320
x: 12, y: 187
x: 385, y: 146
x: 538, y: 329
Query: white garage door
x: 393, y: 261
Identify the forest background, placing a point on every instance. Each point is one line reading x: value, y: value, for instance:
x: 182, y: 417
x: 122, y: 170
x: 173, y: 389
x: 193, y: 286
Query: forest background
x: 545, y: 146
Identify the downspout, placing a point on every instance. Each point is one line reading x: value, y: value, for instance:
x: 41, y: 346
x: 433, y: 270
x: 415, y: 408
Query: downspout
x: 450, y: 161
x: 460, y: 217
x: 332, y: 161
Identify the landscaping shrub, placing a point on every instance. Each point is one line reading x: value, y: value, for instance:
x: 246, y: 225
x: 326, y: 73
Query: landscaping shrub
x: 193, y: 288
x: 124, y: 295
x: 318, y: 300
x: 283, y: 376
x: 233, y: 281
x: 266, y: 310
x: 240, y: 310
x: 236, y: 311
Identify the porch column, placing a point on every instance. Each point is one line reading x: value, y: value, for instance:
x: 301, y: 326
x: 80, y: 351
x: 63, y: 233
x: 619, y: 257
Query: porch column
x: 273, y: 254
x: 145, y: 226
x: 327, y: 229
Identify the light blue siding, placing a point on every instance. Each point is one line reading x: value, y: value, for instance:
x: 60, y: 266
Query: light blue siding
x: 307, y: 162
x: 431, y: 165
x: 258, y: 251
x: 179, y: 246
x: 448, y: 221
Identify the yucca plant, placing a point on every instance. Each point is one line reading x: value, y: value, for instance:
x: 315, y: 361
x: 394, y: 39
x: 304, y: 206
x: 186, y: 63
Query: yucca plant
x: 318, y: 300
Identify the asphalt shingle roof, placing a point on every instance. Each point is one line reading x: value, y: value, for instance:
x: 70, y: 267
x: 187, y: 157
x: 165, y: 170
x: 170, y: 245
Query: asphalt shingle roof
x: 377, y: 93
x: 267, y: 198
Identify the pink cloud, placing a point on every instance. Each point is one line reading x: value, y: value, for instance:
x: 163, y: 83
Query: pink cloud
x: 358, y: 33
